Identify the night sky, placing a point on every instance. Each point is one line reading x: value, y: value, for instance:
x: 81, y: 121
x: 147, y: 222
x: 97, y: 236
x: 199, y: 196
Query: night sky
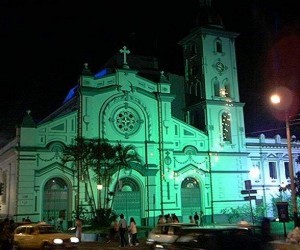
x: 44, y: 45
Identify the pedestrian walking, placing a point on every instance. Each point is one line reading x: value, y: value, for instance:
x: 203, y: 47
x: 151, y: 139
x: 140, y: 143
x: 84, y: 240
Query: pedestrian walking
x: 122, y: 230
x: 78, y: 225
x: 133, y: 233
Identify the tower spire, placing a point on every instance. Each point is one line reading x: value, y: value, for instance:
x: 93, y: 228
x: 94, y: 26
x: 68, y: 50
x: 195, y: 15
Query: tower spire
x: 203, y: 3
x: 207, y: 15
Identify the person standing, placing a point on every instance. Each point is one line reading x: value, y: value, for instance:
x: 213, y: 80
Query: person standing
x: 59, y: 224
x: 122, y: 230
x: 201, y: 218
x: 161, y: 219
x: 114, y: 229
x: 133, y: 233
x: 196, y: 218
x: 78, y: 225
x: 191, y: 219
x: 175, y: 218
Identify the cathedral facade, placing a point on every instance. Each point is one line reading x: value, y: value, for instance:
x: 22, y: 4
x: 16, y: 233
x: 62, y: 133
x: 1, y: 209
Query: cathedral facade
x: 189, y: 131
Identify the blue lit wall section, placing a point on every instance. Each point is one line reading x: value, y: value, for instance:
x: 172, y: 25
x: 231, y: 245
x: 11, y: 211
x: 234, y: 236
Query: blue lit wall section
x: 71, y: 94
x: 101, y: 73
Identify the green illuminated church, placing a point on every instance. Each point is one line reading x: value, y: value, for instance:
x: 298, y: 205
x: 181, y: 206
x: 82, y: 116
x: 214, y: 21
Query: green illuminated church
x: 189, y: 131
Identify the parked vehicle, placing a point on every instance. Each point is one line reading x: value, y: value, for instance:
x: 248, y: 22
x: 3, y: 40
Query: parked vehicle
x: 42, y: 236
x: 214, y: 238
x: 167, y: 232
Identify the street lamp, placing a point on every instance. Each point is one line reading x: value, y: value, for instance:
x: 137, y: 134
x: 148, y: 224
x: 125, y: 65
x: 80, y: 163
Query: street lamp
x: 99, y: 187
x: 276, y: 100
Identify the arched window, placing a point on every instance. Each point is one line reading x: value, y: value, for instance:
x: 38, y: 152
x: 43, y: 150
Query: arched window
x: 227, y: 88
x: 190, y: 150
x: 190, y: 90
x: 190, y: 183
x: 218, y: 45
x: 226, y: 126
x: 126, y: 185
x: 56, y: 147
x: 216, y: 85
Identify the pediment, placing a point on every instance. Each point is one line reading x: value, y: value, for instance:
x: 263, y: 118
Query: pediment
x: 191, y: 167
x: 54, y: 167
x: 272, y: 156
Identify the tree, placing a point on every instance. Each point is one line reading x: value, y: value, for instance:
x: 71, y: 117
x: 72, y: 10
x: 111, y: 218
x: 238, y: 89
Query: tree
x: 285, y: 194
x: 234, y: 215
x: 125, y: 157
x: 297, y: 184
x: 104, y: 159
x: 80, y: 154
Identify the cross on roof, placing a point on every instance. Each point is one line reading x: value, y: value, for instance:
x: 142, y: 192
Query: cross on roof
x: 124, y: 51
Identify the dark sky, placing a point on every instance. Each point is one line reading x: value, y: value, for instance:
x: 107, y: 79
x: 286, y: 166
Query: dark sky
x: 44, y: 45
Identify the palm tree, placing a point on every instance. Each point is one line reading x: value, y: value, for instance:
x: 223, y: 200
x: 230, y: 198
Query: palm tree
x: 125, y: 157
x: 80, y: 153
x: 104, y: 155
x: 103, y: 159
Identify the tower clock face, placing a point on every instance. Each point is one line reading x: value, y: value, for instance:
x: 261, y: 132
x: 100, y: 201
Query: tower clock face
x: 220, y: 67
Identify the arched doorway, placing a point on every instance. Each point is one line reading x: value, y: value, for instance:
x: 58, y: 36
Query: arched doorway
x: 55, y: 202
x: 127, y: 199
x: 190, y: 198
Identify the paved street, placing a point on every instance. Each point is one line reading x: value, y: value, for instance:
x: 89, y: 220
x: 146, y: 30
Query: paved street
x: 111, y: 245
x: 278, y: 244
x: 275, y: 245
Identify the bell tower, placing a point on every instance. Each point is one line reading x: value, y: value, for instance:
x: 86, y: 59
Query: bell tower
x: 211, y: 82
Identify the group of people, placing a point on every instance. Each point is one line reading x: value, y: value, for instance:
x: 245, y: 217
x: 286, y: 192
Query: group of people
x: 121, y: 228
x: 197, y: 218
x: 168, y: 218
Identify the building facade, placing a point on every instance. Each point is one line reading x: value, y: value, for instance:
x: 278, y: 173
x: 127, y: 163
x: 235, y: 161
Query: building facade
x: 189, y: 131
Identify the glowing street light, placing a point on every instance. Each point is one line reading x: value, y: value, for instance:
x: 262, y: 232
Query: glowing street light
x: 275, y: 99
x: 99, y: 187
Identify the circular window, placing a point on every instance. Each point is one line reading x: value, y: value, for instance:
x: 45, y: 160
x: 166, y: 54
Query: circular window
x: 127, y: 121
